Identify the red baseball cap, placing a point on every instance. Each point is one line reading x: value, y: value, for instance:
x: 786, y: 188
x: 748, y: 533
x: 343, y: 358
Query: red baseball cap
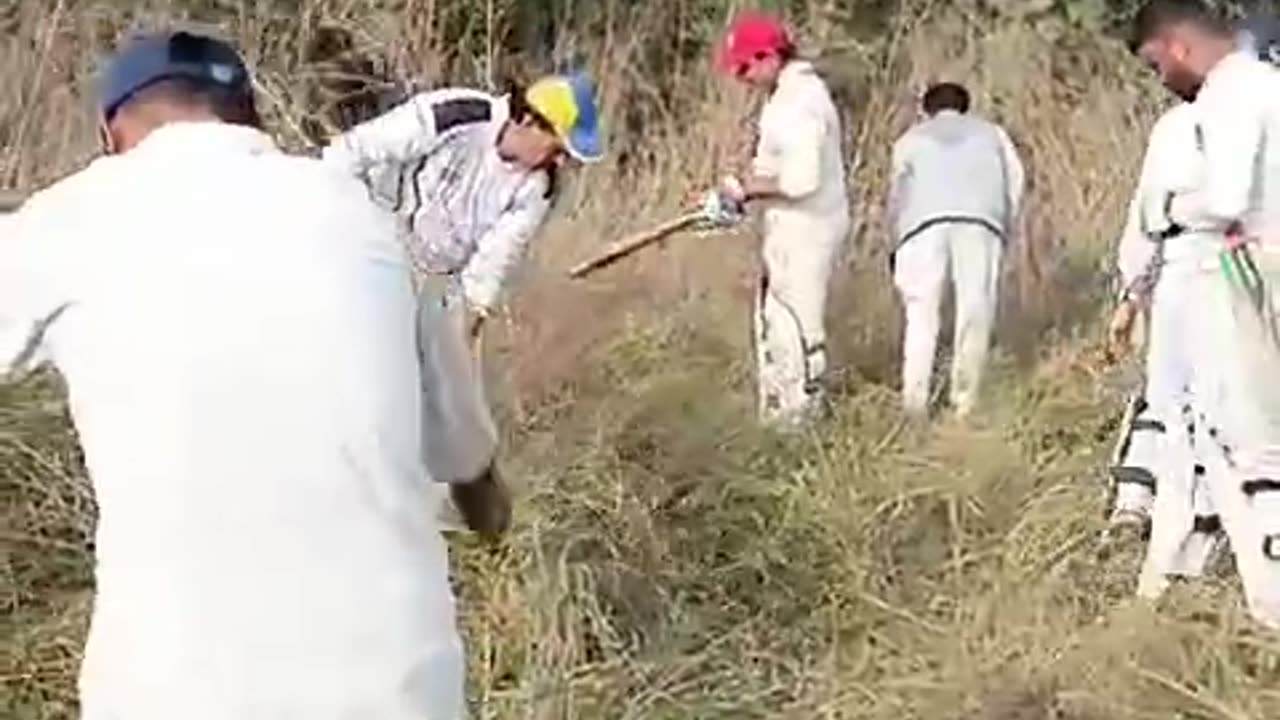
x: 751, y: 35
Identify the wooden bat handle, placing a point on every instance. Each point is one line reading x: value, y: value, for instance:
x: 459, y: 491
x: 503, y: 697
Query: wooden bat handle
x: 622, y: 248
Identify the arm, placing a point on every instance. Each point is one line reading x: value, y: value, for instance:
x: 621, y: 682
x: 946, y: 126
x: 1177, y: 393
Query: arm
x: 409, y: 130
x: 501, y: 249
x: 29, y: 303
x: 899, y: 176
x: 1231, y: 118
x: 1015, y: 178
x: 798, y: 132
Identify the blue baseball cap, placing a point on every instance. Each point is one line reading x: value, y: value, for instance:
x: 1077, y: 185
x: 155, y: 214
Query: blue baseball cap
x: 149, y: 59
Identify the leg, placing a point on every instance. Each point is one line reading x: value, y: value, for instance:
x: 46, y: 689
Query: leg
x: 1240, y: 421
x: 975, y: 267
x: 920, y: 271
x: 1134, y: 464
x: 799, y: 255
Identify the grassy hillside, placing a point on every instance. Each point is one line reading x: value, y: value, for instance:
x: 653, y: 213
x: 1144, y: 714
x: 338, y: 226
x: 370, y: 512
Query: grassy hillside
x: 670, y: 560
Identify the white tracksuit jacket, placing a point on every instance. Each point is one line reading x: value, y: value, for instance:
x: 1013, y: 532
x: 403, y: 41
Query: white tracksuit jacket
x: 799, y: 145
x: 1238, y: 115
x: 236, y: 329
x: 1156, y: 259
x: 955, y: 194
x: 465, y: 211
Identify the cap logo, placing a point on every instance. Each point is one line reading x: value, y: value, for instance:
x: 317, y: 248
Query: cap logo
x: 222, y: 73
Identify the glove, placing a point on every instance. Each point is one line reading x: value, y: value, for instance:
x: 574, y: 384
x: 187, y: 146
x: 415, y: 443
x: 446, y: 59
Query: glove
x: 484, y: 503
x: 723, y: 206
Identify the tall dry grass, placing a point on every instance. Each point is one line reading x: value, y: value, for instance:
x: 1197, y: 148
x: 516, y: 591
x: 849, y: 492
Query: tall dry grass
x: 670, y: 560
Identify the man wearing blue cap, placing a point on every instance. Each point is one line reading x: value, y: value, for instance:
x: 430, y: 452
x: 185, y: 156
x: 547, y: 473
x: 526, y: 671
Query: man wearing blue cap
x: 237, y: 331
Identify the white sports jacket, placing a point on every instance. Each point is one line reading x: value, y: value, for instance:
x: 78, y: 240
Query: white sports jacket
x: 464, y: 210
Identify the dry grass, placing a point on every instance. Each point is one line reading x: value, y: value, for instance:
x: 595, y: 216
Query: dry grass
x: 671, y: 560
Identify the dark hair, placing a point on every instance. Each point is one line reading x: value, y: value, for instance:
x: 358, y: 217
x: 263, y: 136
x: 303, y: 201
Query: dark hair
x: 519, y: 111
x: 1156, y: 16
x: 230, y: 105
x: 945, y: 96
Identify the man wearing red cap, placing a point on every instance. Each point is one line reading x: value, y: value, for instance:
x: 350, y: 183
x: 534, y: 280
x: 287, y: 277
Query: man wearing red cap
x: 798, y: 173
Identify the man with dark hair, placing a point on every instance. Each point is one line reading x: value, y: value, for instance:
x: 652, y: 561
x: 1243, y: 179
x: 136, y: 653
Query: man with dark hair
x: 945, y: 96
x: 1183, y: 40
x: 237, y: 329
x: 1232, y: 230
x: 954, y: 199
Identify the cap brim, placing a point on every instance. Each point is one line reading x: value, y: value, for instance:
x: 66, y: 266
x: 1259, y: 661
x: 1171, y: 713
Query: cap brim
x: 583, y: 144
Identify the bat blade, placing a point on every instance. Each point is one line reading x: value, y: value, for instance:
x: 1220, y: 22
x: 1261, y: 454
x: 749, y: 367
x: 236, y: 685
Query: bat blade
x: 630, y: 244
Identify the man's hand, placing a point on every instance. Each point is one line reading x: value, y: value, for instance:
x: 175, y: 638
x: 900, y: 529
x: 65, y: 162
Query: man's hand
x: 484, y: 503
x: 1120, y: 330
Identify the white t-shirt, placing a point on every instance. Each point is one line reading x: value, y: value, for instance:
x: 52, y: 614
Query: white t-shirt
x: 236, y: 328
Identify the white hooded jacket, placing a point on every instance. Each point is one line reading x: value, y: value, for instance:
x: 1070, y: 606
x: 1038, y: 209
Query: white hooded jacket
x: 954, y: 166
x: 464, y: 210
x: 236, y: 329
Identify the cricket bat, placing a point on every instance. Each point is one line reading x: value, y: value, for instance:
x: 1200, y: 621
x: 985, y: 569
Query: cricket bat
x: 628, y: 245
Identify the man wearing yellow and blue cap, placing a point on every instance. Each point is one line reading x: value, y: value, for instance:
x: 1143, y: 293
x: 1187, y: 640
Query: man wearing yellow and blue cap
x: 236, y: 330
x: 471, y: 175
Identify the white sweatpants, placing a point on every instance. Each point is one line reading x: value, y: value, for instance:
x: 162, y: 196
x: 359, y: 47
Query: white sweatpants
x: 788, y: 314
x: 1243, y: 444
x: 459, y: 438
x: 970, y: 254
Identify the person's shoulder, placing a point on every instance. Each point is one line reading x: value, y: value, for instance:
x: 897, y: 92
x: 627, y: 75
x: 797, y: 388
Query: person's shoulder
x: 73, y: 194
x: 1179, y: 118
x: 458, y: 107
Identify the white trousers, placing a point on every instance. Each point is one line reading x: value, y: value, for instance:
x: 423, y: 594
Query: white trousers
x: 970, y: 255
x: 1237, y: 424
x: 459, y: 436
x: 1159, y: 450
x: 788, y: 314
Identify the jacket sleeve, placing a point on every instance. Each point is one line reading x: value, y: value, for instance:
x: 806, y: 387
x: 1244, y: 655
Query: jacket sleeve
x: 29, y: 297
x: 1136, y: 250
x: 406, y: 132
x: 1015, y: 178
x: 798, y: 133
x: 1231, y: 115
x: 500, y: 250
x: 899, y: 177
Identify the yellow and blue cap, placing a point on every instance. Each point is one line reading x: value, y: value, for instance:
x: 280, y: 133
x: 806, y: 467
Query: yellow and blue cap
x: 567, y: 103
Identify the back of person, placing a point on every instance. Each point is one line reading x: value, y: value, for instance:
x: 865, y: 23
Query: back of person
x: 957, y: 171
x: 238, y: 341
